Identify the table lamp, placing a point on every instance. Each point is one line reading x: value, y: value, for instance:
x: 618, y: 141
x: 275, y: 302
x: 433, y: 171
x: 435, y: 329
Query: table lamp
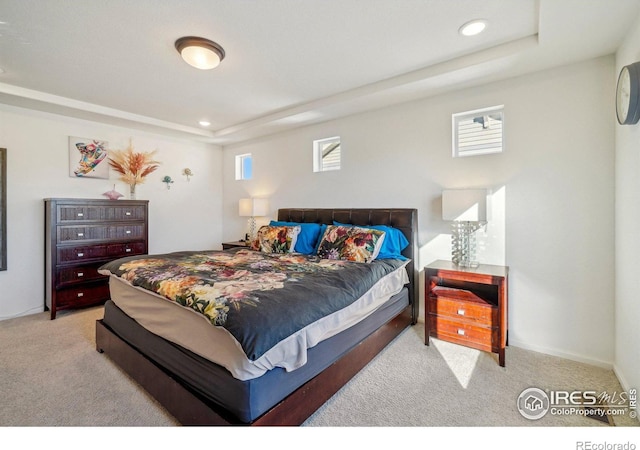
x: 252, y: 208
x: 467, y: 211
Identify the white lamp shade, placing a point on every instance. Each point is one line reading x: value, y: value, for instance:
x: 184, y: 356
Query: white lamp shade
x: 253, y: 207
x: 464, y: 205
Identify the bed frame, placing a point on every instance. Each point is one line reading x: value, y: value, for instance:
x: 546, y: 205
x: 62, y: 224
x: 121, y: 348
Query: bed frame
x: 190, y: 409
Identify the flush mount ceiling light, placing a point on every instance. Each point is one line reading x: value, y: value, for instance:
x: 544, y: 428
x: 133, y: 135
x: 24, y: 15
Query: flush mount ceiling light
x: 472, y: 28
x: 200, y: 52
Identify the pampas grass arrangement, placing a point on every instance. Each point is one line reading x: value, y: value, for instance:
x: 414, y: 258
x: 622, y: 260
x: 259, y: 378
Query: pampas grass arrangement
x: 133, y: 166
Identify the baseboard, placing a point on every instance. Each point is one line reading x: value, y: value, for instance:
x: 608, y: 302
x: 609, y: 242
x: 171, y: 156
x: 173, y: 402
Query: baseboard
x: 561, y: 354
x: 623, y: 382
x: 24, y: 313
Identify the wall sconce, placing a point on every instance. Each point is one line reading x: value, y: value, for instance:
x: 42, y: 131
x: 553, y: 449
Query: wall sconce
x: 467, y: 209
x: 252, y: 208
x: 199, y: 52
x: 167, y: 179
x: 187, y: 173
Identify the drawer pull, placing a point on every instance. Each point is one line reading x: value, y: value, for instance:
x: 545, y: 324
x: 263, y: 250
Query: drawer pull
x: 128, y: 231
x: 127, y: 250
x: 128, y: 213
x: 80, y: 214
x: 80, y: 274
x: 80, y: 234
x: 460, y: 332
x: 461, y: 312
x: 80, y: 294
x: 80, y: 255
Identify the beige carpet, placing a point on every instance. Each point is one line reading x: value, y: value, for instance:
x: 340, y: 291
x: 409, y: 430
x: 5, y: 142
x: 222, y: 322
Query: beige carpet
x: 51, y: 375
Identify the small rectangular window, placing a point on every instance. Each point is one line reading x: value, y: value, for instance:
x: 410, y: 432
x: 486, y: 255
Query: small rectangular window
x: 244, y: 167
x: 326, y: 154
x: 478, y: 132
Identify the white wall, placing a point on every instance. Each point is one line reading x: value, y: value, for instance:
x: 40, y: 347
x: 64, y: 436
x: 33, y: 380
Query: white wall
x: 554, y: 186
x: 185, y: 217
x: 627, y: 285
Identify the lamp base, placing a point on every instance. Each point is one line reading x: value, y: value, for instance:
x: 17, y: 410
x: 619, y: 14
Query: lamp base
x: 463, y: 243
x: 252, y: 228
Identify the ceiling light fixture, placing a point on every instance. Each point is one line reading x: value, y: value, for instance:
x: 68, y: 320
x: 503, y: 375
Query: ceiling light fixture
x: 200, y: 52
x: 204, y: 123
x: 472, y: 28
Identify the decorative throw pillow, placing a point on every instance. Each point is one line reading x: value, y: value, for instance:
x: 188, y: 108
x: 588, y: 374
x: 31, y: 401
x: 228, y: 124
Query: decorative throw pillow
x: 276, y: 239
x: 394, y: 241
x: 351, y: 243
x: 308, y: 237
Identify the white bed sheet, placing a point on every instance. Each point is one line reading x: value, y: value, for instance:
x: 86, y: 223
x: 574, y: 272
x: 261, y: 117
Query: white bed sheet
x: 191, y: 330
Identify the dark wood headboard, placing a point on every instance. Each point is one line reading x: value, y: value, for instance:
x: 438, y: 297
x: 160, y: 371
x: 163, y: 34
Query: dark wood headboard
x: 404, y: 219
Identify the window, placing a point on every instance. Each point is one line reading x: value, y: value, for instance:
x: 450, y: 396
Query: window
x: 478, y: 132
x: 244, y: 167
x: 326, y: 154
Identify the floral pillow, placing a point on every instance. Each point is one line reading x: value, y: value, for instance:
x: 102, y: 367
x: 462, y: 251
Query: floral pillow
x: 350, y: 243
x: 276, y: 239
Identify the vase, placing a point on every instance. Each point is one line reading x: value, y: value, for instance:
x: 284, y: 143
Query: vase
x: 132, y: 191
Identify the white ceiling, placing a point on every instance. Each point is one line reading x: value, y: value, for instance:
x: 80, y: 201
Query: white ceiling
x: 288, y: 62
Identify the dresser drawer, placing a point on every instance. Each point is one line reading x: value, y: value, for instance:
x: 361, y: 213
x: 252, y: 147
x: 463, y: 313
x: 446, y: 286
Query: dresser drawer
x: 78, y: 274
x: 100, y: 232
x: 112, y: 213
x: 84, y: 295
x: 82, y: 233
x: 81, y: 253
x: 462, y: 332
x: 126, y: 249
x: 482, y: 313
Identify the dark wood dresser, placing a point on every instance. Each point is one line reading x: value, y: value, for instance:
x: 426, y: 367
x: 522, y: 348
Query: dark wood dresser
x: 467, y: 306
x: 80, y: 236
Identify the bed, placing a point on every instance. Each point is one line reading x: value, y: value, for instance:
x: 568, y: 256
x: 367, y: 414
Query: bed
x: 203, y: 384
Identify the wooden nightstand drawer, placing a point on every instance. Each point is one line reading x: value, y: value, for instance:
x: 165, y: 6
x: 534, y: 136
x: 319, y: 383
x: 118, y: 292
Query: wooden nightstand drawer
x: 467, y: 305
x: 461, y: 304
x: 236, y: 244
x: 461, y: 332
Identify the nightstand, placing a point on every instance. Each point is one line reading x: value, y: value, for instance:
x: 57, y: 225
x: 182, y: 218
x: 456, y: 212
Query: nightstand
x: 467, y: 306
x: 235, y: 244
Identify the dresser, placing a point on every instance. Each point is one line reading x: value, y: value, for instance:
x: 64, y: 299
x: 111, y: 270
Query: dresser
x: 467, y: 306
x: 80, y: 236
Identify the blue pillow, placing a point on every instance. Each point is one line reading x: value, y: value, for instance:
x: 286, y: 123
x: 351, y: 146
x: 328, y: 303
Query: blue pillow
x: 308, y: 238
x: 394, y: 242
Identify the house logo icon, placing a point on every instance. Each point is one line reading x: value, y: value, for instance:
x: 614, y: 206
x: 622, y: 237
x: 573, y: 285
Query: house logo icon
x: 533, y: 403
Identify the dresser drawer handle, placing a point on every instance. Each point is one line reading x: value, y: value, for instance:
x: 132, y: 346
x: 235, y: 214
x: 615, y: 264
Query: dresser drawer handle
x: 80, y: 234
x: 460, y: 332
x: 80, y: 255
x: 80, y: 294
x: 461, y: 312
x: 127, y: 250
x: 128, y: 213
x: 80, y: 214
x: 80, y: 274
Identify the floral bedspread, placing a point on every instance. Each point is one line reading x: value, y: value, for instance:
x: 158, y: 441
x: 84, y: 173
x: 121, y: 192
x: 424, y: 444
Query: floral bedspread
x: 260, y: 298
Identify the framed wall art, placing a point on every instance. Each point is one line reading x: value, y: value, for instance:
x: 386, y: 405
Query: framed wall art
x: 3, y: 209
x: 88, y: 158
